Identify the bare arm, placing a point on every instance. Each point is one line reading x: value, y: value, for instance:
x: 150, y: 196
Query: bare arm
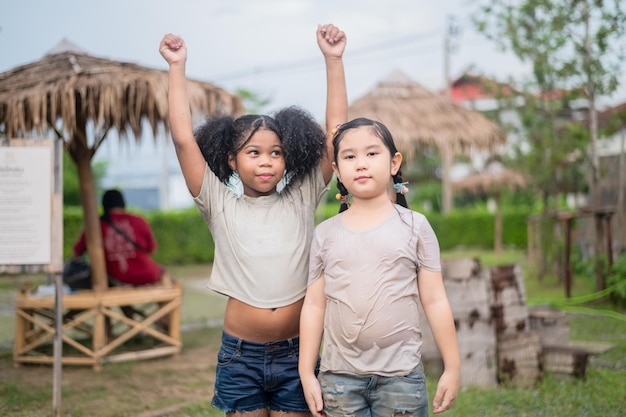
x: 311, y: 331
x: 332, y: 43
x: 439, y: 314
x: 190, y: 158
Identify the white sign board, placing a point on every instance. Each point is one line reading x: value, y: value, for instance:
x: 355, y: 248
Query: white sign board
x: 25, y: 204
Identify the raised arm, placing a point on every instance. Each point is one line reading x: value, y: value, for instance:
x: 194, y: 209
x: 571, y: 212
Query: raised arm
x: 332, y: 43
x: 439, y: 315
x: 311, y: 331
x: 191, y: 161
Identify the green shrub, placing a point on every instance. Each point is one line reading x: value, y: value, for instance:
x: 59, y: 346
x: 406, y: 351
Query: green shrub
x: 182, y: 235
x: 72, y: 226
x: 184, y: 238
x: 616, y: 280
x: 475, y: 228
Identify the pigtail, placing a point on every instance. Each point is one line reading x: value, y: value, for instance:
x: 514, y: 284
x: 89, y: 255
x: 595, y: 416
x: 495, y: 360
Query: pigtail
x: 401, y: 189
x: 342, y: 196
x: 303, y: 142
x: 216, y: 140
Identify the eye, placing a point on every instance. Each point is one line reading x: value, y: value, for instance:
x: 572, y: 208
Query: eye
x: 348, y: 156
x: 372, y: 153
x: 253, y: 152
x: 277, y: 153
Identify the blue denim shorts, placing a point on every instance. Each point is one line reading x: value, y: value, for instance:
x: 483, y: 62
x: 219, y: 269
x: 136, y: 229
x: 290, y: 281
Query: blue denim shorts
x: 374, y: 395
x: 252, y: 376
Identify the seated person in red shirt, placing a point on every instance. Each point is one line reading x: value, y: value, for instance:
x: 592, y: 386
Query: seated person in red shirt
x: 128, y: 242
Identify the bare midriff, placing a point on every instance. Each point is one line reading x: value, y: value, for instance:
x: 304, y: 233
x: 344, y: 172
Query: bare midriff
x: 262, y: 324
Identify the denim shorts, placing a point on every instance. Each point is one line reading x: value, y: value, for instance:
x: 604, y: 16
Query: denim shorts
x: 374, y: 395
x: 252, y: 376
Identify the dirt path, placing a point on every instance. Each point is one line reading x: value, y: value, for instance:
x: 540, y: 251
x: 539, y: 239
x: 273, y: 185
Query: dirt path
x: 137, y: 388
x: 125, y: 389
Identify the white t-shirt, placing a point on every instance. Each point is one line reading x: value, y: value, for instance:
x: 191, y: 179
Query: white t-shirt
x: 262, y: 244
x: 371, y: 323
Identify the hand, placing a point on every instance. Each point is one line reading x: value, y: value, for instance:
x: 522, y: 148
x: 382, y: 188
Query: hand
x: 313, y: 395
x: 173, y: 49
x: 447, y: 390
x: 331, y: 40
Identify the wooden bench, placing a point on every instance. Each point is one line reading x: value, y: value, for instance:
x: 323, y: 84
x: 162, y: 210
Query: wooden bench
x: 95, y: 330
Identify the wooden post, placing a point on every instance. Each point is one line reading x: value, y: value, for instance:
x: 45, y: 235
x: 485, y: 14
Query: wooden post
x: 58, y: 345
x: 21, y: 327
x: 93, y: 233
x: 599, y: 231
x: 529, y: 240
x: 99, y: 335
x: 498, y: 225
x: 609, y: 239
x: 447, y: 197
x: 568, y: 262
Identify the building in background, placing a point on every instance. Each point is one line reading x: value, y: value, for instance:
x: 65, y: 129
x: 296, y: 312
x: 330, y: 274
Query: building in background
x: 146, y: 171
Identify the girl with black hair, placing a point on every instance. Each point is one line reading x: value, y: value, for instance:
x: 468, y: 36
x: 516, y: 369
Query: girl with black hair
x: 282, y: 166
x: 370, y: 267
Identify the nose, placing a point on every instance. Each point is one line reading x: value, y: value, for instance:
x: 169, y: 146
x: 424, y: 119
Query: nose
x: 265, y: 161
x: 361, y: 163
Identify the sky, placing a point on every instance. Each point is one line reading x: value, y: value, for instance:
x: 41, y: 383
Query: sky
x: 265, y: 46
x: 268, y: 47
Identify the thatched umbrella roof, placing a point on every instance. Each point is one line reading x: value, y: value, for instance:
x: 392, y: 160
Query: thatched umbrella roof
x: 416, y: 116
x: 81, y: 98
x: 492, y: 181
x: 71, y: 85
x: 494, y: 177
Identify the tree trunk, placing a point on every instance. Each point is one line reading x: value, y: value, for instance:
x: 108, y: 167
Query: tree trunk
x: 498, y: 226
x: 620, y: 196
x: 447, y: 196
x: 81, y: 154
x: 595, y: 164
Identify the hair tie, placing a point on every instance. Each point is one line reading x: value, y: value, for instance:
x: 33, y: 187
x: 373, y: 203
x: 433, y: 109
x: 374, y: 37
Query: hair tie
x: 335, y: 129
x: 401, y: 187
x: 343, y: 199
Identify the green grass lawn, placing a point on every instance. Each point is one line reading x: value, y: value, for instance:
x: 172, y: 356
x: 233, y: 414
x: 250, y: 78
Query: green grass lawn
x: 602, y: 393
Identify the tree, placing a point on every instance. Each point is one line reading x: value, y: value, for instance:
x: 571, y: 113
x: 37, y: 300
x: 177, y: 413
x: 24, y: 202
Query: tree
x: 71, y: 185
x: 83, y: 98
x: 574, y: 46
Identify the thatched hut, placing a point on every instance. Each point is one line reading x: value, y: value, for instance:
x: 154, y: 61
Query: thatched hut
x: 492, y: 181
x: 416, y: 116
x: 80, y: 98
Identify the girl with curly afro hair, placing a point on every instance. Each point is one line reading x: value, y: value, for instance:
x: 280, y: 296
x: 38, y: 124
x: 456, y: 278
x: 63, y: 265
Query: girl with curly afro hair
x: 280, y: 167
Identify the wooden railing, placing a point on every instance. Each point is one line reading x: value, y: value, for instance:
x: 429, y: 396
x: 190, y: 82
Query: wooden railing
x: 96, y: 330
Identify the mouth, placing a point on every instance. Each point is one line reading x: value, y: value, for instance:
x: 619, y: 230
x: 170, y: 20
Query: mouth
x: 265, y: 177
x: 362, y: 178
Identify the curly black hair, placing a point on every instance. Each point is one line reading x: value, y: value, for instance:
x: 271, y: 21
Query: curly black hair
x: 302, y: 138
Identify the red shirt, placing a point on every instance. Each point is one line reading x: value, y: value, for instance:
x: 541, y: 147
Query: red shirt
x: 124, y: 261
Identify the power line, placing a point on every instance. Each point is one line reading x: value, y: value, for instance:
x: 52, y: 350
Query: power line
x: 310, y: 62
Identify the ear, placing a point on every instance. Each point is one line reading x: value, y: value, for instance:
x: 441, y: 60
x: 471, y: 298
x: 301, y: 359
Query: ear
x: 334, y: 165
x: 232, y: 161
x: 396, y: 161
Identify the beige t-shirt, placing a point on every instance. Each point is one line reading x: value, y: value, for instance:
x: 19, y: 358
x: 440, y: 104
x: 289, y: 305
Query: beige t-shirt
x: 262, y: 244
x: 371, y: 324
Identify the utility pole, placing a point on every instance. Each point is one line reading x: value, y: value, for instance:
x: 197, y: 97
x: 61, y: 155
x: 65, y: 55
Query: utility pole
x: 447, y: 154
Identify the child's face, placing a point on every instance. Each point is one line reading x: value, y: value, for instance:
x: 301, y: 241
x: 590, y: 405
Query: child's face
x: 364, y: 164
x: 260, y: 163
